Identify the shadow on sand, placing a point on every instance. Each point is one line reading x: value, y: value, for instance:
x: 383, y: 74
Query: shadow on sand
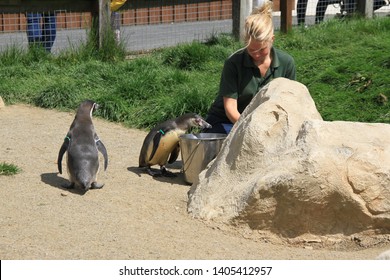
x: 175, y: 168
x: 58, y: 182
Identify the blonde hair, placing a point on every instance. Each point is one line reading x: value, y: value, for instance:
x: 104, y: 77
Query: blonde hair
x: 259, y: 25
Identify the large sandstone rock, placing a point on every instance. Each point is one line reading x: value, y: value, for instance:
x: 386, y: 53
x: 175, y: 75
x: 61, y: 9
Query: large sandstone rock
x: 284, y: 169
x: 384, y: 256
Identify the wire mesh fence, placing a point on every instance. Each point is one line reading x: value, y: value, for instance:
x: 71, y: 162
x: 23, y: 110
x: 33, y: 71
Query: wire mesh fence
x: 310, y: 12
x: 64, y: 30
x: 160, y: 26
x: 145, y: 25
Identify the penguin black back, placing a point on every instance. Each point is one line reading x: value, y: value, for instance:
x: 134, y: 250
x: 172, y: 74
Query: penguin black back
x: 82, y: 145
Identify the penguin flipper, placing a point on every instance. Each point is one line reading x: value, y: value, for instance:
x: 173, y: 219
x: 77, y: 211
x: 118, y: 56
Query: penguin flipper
x: 156, y: 142
x: 174, y: 154
x: 101, y: 148
x: 61, y: 153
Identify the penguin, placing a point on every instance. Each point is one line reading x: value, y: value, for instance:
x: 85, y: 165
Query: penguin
x: 82, y: 145
x: 162, y: 142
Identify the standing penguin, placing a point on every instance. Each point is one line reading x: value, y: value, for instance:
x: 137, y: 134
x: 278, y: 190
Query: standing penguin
x: 162, y: 142
x: 82, y: 145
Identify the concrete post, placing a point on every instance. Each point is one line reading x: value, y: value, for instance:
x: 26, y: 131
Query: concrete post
x: 241, y: 9
x: 366, y: 8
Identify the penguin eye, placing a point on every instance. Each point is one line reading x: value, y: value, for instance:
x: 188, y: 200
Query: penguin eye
x: 197, y: 121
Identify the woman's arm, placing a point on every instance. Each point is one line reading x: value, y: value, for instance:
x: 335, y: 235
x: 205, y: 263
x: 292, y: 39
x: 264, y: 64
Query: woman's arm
x: 231, y: 110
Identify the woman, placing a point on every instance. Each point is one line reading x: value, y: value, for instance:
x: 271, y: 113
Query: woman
x: 41, y: 29
x: 116, y: 18
x: 249, y: 69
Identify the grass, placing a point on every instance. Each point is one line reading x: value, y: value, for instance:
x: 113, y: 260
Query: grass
x: 7, y: 169
x: 344, y: 64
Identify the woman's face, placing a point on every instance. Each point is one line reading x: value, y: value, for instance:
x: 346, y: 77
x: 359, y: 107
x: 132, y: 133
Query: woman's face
x: 258, y: 51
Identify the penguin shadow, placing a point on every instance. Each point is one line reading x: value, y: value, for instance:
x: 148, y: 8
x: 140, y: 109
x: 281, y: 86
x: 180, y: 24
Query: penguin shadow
x: 136, y: 170
x: 175, y: 168
x: 58, y: 182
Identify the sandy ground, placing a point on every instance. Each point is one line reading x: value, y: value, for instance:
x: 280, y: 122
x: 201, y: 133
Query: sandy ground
x: 134, y: 216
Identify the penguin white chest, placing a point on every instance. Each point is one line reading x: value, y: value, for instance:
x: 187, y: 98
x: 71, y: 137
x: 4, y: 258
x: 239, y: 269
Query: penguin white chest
x: 167, y: 144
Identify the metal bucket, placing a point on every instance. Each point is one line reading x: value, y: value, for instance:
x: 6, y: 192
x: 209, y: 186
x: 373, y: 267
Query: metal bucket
x: 197, y: 150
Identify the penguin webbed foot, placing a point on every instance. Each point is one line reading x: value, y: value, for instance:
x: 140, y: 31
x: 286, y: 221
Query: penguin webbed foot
x: 162, y: 172
x: 166, y: 173
x: 96, y: 185
x: 153, y: 173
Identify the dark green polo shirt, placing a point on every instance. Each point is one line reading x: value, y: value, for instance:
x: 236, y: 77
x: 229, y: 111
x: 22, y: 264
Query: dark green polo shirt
x: 241, y: 79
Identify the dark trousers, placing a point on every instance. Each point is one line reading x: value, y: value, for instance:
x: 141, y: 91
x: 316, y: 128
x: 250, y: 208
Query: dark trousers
x: 218, y: 126
x: 41, y: 29
x: 301, y: 11
x: 321, y: 7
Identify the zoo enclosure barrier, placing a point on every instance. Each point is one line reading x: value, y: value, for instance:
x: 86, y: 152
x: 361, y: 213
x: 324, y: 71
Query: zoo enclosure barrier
x: 145, y: 24
x: 310, y: 12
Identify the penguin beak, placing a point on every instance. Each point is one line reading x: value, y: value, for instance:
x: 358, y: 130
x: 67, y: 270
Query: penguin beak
x: 202, y: 123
